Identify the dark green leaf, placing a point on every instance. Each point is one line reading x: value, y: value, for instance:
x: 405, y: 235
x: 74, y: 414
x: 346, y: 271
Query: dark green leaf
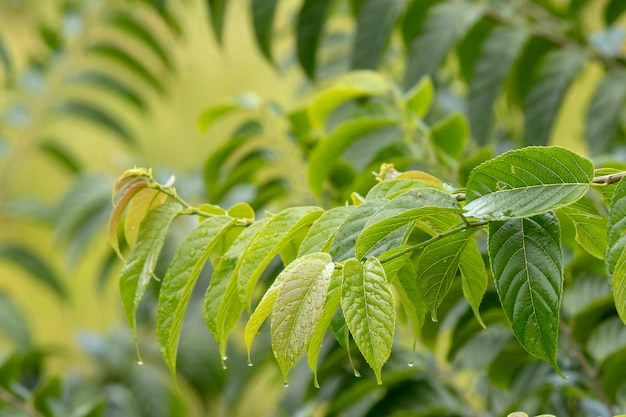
x: 526, y: 182
x: 410, y: 298
x: 310, y: 27
x: 61, y: 154
x: 616, y: 226
x: 368, y: 306
x: 263, y: 12
x: 555, y: 73
x: 110, y: 84
x: 374, y: 25
x: 470, y: 47
x: 217, y: 13
x: 603, y: 114
x: 139, y: 268
x: 416, y: 13
x: 449, y: 137
x: 613, y: 10
x: 527, y: 265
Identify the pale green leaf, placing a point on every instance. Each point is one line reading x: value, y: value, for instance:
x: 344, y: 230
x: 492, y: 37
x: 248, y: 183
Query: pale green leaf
x: 392, y: 188
x: 449, y: 137
x: 322, y: 232
x: 180, y: 279
x: 616, y: 226
x: 473, y: 277
x: 128, y: 194
x: 549, y: 85
x: 604, y: 111
x: 211, y: 115
x: 329, y: 149
x: 343, y: 246
x: 309, y: 30
x: 608, y: 338
x: 375, y: 22
x: 350, y: 86
x: 298, y: 306
x: 368, y: 307
x: 394, y: 259
x: 527, y: 264
x: 420, y: 97
x: 590, y: 226
x: 140, y: 205
x: 437, y: 267
x: 526, y: 182
x: 138, y: 269
x: 241, y: 211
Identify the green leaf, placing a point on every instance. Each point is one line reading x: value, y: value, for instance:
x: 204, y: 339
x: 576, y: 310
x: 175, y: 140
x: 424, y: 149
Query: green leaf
x: 608, y: 338
x: 298, y: 306
x: 590, y: 225
x: 549, y: 85
x: 329, y: 149
x: 128, y: 61
x: 140, y: 205
x: 613, y: 10
x: 261, y: 312
x: 217, y: 12
x: 526, y: 182
x: 94, y: 114
x: 470, y: 47
x: 394, y: 259
x: 61, y: 154
x: 437, y: 267
x: 420, y: 97
x: 212, y: 114
x: 473, y: 277
x: 13, y: 324
x: 263, y: 12
x: 110, y: 84
x: 527, y: 265
x: 449, y: 137
x: 368, y: 306
x: 309, y: 30
x: 410, y: 299
x: 392, y: 188
x: 603, y: 114
x: 138, y: 269
x: 5, y: 58
x: 32, y: 263
x: 180, y: 279
x: 322, y: 232
x: 241, y: 211
x: 352, y: 85
x: 490, y: 71
x: 343, y: 246
x: 128, y: 194
x: 416, y: 13
x: 374, y: 25
x: 445, y: 24
x: 616, y: 227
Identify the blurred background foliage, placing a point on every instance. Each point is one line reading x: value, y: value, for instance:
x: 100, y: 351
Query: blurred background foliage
x: 213, y: 92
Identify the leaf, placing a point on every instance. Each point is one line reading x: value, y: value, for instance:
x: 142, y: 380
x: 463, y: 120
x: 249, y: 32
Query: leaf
x: 36, y: 266
x: 549, y: 85
x: 449, y: 137
x: 603, y: 113
x: 329, y: 149
x: 420, y: 97
x: 392, y: 188
x: 394, y: 259
x: 217, y: 12
x: 590, y: 225
x: 140, y: 205
x: 5, y: 58
x: 87, y: 111
x: 309, y: 30
x: 445, y: 24
x: 374, y: 25
x: 368, y: 306
x: 261, y: 312
x: 138, y: 269
x: 343, y: 245
x: 616, y: 227
x: 490, y: 71
x: 473, y: 277
x: 241, y: 211
x: 350, y: 86
x: 470, y: 47
x: 179, y: 282
x: 298, y: 306
x: 437, y: 267
x: 263, y: 12
x: 13, y: 324
x: 410, y: 299
x: 108, y: 83
x: 129, y: 192
x: 526, y: 182
x: 61, y: 154
x: 212, y: 114
x: 613, y: 10
x: 608, y: 338
x: 322, y: 232
x: 527, y: 265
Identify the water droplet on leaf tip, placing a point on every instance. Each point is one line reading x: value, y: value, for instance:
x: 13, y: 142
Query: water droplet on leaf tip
x: 224, y: 366
x: 250, y: 363
x: 316, y: 384
x: 224, y: 358
x: 139, y: 363
x: 411, y: 364
x: 285, y: 384
x: 357, y: 374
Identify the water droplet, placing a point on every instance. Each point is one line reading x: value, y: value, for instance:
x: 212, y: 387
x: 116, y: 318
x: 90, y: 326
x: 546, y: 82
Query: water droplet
x: 192, y: 253
x: 224, y: 358
x: 203, y: 233
x: 325, y: 232
x: 224, y: 366
x: 139, y: 363
x: 250, y: 363
x: 357, y: 374
x: 411, y: 364
x: 285, y: 384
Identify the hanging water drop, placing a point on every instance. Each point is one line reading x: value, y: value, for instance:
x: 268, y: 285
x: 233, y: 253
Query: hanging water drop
x: 357, y: 374
x: 285, y: 384
x: 411, y: 364
x: 224, y: 366
x: 139, y: 363
x: 224, y: 358
x: 250, y: 363
x: 316, y: 384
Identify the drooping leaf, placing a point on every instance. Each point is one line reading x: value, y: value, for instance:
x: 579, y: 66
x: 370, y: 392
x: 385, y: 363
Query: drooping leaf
x: 140, y: 205
x: 394, y: 259
x: 490, y: 70
x: 298, y: 306
x: 5, y: 58
x: 368, y: 306
x: 108, y: 83
x: 416, y: 13
x: 217, y: 14
x: 61, y: 154
x: 263, y: 12
x: 445, y: 24
x: 139, y: 267
x: 550, y: 83
x: 87, y: 111
x: 343, y: 245
x: 590, y: 226
x: 212, y: 114
x: 608, y: 338
x: 473, y: 277
x: 420, y: 97
x: 472, y: 44
x: 449, y: 137
x: 36, y: 266
x: 526, y: 260
x: 129, y: 192
x: 322, y: 232
x: 603, y: 114
x: 309, y: 30
x: 13, y: 324
x: 410, y: 298
x: 613, y: 10
x: 526, y: 182
x: 437, y: 267
x: 616, y: 227
x: 375, y: 22
x: 330, y: 148
x: 180, y: 280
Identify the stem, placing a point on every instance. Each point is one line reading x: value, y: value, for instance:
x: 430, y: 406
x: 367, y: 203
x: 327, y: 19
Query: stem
x: 440, y: 236
x: 588, y: 369
x: 608, y: 179
x: 18, y: 402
